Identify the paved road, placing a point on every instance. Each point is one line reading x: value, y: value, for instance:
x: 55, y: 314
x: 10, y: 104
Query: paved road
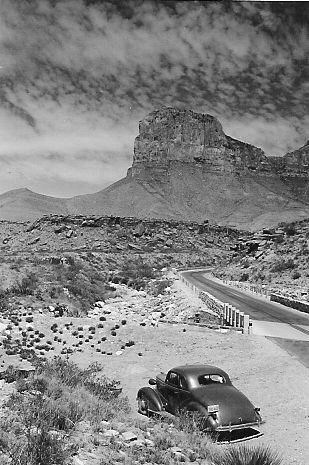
x: 257, y: 308
x: 287, y: 327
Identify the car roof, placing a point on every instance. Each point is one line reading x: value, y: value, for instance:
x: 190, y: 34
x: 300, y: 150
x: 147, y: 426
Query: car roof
x: 199, y: 369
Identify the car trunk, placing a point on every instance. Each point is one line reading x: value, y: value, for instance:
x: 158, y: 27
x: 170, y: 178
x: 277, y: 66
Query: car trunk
x: 234, y: 407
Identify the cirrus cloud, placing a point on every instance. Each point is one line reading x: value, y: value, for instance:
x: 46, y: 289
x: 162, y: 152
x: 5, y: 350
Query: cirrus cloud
x: 77, y: 75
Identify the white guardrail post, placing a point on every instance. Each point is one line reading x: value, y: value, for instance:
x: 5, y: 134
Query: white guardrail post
x: 246, y: 324
x: 225, y: 310
x: 230, y: 315
x: 237, y: 318
x: 241, y: 319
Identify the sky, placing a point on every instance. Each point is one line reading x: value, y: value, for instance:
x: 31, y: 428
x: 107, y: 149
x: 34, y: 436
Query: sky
x: 77, y: 76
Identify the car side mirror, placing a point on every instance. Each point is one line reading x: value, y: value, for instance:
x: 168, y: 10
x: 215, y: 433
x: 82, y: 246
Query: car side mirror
x: 152, y: 382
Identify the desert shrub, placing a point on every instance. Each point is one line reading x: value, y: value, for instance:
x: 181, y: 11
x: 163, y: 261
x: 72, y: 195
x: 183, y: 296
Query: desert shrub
x: 71, y: 375
x: 289, y: 229
x: 25, y: 435
x: 49, y: 404
x: 246, y: 455
x: 282, y: 265
x: 55, y: 291
x: 4, y: 304
x: 27, y: 286
x: 84, y: 282
x: 136, y: 272
x: 244, y: 277
x: 245, y: 263
x: 42, y: 448
x: 158, y: 287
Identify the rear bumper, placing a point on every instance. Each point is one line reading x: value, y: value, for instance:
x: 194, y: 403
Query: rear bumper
x: 236, y: 433
x: 237, y: 427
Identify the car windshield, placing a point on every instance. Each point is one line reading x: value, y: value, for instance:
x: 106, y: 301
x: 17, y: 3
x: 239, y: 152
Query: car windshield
x: 211, y: 379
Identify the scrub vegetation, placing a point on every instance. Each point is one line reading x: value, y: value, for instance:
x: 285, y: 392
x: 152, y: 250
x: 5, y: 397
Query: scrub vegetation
x: 60, y: 408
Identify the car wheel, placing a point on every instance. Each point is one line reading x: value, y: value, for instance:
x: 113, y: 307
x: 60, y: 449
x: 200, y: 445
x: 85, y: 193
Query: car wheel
x: 143, y: 405
x: 198, y: 416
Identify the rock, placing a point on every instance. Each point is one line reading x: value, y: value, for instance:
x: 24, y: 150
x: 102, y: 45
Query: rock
x: 139, y: 230
x: 69, y: 233
x: 134, y: 247
x: 175, y: 449
x: 78, y: 461
x: 60, y: 229
x: 99, y: 304
x: 149, y: 442
x: 111, y: 433
x: 129, y: 436
x: 105, y: 424
x: 178, y: 454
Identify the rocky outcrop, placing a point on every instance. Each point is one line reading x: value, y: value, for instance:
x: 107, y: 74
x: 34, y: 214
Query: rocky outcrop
x: 170, y: 140
x: 293, y: 169
x: 168, y: 136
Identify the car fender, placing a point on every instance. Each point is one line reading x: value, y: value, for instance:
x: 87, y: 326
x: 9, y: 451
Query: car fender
x: 207, y: 421
x: 155, y: 402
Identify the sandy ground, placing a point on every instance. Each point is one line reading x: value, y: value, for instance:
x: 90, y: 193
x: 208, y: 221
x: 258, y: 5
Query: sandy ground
x: 269, y: 376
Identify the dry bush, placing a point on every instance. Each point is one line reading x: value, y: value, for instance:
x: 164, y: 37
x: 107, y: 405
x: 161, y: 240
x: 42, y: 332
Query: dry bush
x: 48, y: 406
x: 248, y: 455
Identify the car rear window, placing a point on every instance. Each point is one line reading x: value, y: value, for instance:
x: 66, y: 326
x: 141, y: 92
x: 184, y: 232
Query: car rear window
x: 204, y: 380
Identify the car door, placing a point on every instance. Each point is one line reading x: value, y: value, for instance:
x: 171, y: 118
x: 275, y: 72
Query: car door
x: 175, y: 392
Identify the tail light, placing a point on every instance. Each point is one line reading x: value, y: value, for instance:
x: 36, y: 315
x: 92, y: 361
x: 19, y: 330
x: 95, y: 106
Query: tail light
x: 257, y: 412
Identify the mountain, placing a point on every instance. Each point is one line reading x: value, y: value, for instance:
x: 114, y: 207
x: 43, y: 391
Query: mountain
x: 25, y: 205
x: 186, y: 167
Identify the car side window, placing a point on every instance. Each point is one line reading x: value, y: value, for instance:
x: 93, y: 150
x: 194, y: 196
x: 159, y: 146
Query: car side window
x: 183, y: 383
x: 172, y: 378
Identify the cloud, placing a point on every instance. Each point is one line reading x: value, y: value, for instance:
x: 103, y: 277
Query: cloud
x: 77, y: 76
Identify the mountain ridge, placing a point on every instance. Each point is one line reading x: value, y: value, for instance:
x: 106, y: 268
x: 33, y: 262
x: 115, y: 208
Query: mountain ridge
x: 186, y: 167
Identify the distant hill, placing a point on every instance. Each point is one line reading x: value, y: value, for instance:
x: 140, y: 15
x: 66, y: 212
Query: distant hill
x: 186, y: 168
x: 25, y: 205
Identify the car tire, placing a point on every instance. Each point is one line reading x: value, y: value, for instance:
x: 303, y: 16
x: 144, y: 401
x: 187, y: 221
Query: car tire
x: 200, y: 417
x: 147, y: 402
x: 143, y: 405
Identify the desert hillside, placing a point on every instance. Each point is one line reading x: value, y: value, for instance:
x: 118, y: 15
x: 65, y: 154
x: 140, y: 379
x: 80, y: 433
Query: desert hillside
x: 25, y: 205
x: 276, y: 259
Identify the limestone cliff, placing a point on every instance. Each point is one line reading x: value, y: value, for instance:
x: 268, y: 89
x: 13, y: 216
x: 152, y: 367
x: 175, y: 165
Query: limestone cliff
x: 169, y: 136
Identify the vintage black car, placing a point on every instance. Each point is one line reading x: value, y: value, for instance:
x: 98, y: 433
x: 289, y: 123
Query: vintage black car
x: 208, y: 393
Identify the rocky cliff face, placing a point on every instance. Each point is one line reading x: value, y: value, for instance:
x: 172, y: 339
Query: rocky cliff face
x: 293, y: 169
x: 169, y: 137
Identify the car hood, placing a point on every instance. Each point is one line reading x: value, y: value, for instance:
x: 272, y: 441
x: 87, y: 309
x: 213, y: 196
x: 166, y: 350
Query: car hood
x: 234, y: 407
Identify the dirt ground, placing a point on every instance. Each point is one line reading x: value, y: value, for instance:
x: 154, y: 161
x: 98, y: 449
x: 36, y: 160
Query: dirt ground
x: 270, y: 377
x: 274, y: 381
